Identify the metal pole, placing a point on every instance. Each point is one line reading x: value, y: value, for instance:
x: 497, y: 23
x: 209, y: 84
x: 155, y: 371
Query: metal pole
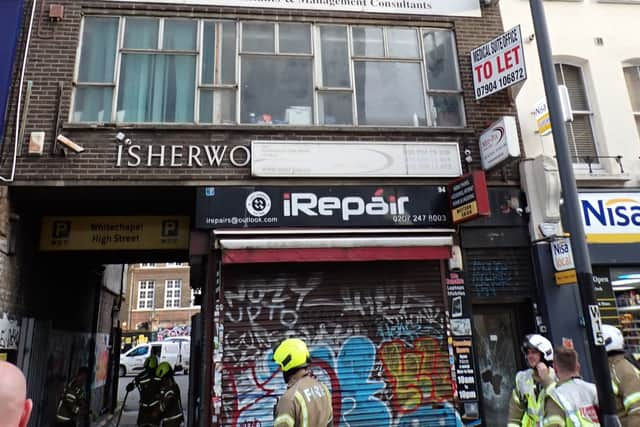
x: 571, y: 218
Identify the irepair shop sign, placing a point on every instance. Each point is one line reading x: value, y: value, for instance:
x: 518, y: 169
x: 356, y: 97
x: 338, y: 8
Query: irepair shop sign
x: 611, y: 217
x: 406, y: 7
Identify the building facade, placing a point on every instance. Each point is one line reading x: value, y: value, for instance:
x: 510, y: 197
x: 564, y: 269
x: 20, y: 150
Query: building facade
x: 301, y: 157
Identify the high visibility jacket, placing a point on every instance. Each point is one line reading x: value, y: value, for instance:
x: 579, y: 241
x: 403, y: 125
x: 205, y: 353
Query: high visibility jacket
x: 571, y: 403
x: 72, y: 400
x: 170, y: 404
x: 306, y: 403
x: 625, y: 381
x: 149, y: 386
x: 526, y: 405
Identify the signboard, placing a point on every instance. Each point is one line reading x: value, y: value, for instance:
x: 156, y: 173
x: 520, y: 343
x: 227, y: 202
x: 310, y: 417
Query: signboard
x: 596, y: 324
x: 99, y: 233
x: 541, y: 111
x: 566, y: 277
x: 562, y: 254
x: 611, y: 217
x: 342, y: 206
x: 469, y: 197
x: 498, y: 64
x: 499, y: 143
x: 411, y: 7
x: 605, y: 297
x: 355, y: 159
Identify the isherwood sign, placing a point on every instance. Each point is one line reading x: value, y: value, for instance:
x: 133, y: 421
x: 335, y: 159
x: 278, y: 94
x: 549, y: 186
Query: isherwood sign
x: 412, y: 7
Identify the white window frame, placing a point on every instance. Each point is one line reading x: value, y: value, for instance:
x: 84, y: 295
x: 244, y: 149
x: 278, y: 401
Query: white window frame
x: 635, y: 113
x: 171, y: 286
x: 146, y: 301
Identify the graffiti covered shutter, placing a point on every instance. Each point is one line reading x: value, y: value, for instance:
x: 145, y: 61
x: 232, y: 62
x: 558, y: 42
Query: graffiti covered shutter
x: 375, y: 331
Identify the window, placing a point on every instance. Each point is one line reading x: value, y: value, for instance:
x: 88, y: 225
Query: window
x: 172, y: 291
x: 145, y: 293
x: 148, y: 264
x: 579, y: 132
x: 162, y: 70
x: 193, y: 298
x: 140, y: 351
x: 632, y: 77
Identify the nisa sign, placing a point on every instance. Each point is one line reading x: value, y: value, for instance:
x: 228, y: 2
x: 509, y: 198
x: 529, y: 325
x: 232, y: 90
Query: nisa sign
x: 611, y: 217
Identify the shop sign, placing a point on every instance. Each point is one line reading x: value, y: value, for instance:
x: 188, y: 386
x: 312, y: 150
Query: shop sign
x: 181, y: 156
x: 340, y: 206
x: 411, y: 7
x: 611, y: 217
x: 562, y: 254
x: 498, y: 64
x: 541, y: 111
x: 469, y: 197
x: 499, y: 143
x: 355, y: 159
x: 566, y: 277
x: 99, y: 233
x: 605, y: 297
x: 465, y: 375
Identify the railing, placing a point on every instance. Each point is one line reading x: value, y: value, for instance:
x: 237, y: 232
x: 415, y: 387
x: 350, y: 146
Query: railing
x: 590, y: 160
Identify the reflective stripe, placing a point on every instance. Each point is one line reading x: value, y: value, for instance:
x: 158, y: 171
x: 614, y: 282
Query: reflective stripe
x: 303, y: 407
x: 174, y: 417
x: 515, y: 397
x: 614, y: 386
x: 60, y: 417
x: 634, y: 410
x: 631, y: 399
x: 513, y: 425
x: 284, y: 419
x: 554, y: 420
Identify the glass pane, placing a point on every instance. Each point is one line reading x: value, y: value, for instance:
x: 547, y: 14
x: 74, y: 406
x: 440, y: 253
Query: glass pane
x: 258, y: 37
x: 581, y: 142
x: 208, y: 52
x: 572, y: 78
x: 179, y: 34
x: 217, y: 107
x: 277, y: 90
x: 384, y: 99
x: 92, y: 104
x: 228, y: 53
x: 403, y: 43
x: 295, y: 38
x: 632, y: 77
x: 98, y: 50
x: 141, y: 33
x: 335, y: 108
x: 441, y: 60
x: 447, y: 110
x: 367, y: 41
x: 156, y: 88
x: 335, y: 57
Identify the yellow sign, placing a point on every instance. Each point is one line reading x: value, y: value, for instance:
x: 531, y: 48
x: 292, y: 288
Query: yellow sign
x: 3, y: 357
x: 465, y: 211
x: 613, y: 238
x: 566, y: 277
x: 100, y: 233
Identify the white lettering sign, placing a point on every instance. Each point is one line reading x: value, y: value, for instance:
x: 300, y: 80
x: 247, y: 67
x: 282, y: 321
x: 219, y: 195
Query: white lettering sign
x: 611, y: 217
x: 562, y: 254
x: 596, y: 324
x: 498, y: 64
x: 412, y: 7
x: 174, y: 156
x: 499, y: 143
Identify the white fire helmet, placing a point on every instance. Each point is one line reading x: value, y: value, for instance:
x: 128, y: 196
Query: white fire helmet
x: 613, y: 339
x: 540, y: 343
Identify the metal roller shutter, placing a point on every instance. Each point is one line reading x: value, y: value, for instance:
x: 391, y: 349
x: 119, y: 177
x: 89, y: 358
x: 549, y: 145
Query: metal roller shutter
x: 375, y: 330
x: 502, y: 272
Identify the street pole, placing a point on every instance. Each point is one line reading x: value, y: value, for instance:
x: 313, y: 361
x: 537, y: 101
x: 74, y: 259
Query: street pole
x: 571, y: 218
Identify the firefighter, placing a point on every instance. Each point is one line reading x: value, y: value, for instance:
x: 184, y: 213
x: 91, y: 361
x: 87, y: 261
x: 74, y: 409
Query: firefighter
x: 170, y: 403
x: 571, y: 402
x: 526, y: 405
x: 307, y: 402
x: 74, y: 400
x: 148, y: 385
x: 625, y: 377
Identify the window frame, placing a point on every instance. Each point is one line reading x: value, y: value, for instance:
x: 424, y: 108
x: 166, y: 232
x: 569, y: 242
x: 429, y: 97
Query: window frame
x: 170, y: 286
x: 634, y: 113
x: 150, y: 286
x: 317, y: 90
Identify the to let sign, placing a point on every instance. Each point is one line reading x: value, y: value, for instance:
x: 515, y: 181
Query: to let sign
x: 498, y: 64
x: 469, y: 197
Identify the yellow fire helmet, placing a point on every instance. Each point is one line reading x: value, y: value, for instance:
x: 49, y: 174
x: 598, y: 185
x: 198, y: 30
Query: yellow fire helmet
x: 163, y: 370
x: 292, y: 353
x: 151, y: 362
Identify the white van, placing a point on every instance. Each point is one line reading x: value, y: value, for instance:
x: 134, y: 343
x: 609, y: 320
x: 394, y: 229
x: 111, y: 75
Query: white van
x: 185, y: 350
x: 132, y: 361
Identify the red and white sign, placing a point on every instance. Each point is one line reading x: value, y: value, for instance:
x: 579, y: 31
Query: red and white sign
x: 498, y: 64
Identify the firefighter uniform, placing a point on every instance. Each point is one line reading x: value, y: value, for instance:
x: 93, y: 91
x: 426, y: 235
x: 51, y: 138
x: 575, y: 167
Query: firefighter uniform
x: 526, y: 407
x: 625, y: 380
x: 306, y: 403
x: 148, y: 385
x: 571, y: 403
x: 170, y: 404
x: 72, y: 401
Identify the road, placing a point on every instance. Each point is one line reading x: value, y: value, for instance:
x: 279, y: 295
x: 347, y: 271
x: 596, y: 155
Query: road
x: 130, y: 413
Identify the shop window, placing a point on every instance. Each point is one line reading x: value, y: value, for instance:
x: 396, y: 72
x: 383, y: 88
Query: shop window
x: 580, y: 131
x: 267, y: 73
x: 145, y: 293
x: 632, y: 77
x: 172, y: 292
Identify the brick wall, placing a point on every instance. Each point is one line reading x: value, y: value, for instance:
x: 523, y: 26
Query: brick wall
x: 52, y: 58
x: 11, y: 298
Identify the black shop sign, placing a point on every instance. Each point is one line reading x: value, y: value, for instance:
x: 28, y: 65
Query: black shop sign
x: 343, y: 206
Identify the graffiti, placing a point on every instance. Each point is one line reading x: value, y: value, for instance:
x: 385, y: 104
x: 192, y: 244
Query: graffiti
x: 174, y: 331
x: 411, y: 327
x: 9, y: 333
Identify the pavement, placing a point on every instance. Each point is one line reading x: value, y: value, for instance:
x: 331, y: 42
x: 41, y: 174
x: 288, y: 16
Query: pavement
x: 130, y: 411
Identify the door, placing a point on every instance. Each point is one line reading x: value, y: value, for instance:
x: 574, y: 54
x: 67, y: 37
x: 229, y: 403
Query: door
x: 497, y: 336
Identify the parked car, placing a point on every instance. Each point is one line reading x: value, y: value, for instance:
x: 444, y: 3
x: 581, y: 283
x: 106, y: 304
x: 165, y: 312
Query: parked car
x: 132, y: 361
x: 185, y: 350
